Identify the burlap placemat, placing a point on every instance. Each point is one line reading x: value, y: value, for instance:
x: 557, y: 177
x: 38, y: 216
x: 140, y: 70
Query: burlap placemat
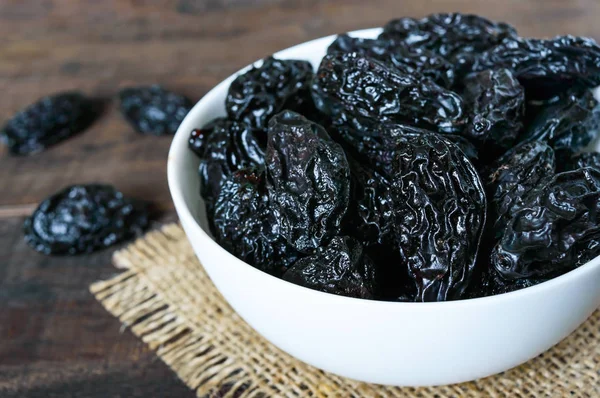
x: 165, y: 297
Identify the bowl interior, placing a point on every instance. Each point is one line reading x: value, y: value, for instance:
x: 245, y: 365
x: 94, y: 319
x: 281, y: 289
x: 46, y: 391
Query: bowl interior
x: 183, y: 165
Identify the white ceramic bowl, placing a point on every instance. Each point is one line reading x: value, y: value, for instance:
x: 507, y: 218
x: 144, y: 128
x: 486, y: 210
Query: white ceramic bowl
x: 390, y: 343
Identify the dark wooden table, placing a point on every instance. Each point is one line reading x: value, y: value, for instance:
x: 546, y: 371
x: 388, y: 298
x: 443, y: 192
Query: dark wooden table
x: 55, y: 340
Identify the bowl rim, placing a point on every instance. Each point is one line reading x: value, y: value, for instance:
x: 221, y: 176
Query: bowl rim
x: 179, y: 148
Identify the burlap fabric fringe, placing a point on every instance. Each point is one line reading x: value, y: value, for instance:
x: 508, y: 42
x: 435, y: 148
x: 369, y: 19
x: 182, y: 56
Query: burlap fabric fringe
x: 165, y: 297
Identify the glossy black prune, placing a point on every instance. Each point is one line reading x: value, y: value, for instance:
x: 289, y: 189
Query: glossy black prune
x: 497, y: 109
x: 567, y: 125
x: 340, y: 268
x: 363, y: 87
x: 244, y: 225
x: 452, y: 35
x: 308, y: 179
x: 545, y: 66
x: 153, y: 110
x: 584, y: 159
x: 524, y: 168
x: 258, y: 94
x: 440, y: 212
x: 370, y: 216
x: 375, y: 144
x: 48, y: 121
x: 84, y: 218
x: 224, y: 147
x: 555, y: 229
x: 405, y: 58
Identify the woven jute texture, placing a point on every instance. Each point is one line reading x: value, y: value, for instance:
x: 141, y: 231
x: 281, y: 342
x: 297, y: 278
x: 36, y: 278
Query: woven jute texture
x: 164, y: 296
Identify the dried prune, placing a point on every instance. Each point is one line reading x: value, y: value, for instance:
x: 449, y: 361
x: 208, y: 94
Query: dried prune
x: 244, y: 225
x: 341, y: 268
x: 84, y: 218
x: 48, y: 121
x: 225, y: 146
x: 554, y: 228
x: 568, y: 125
x: 308, y: 179
x: 452, y: 35
x: 545, y: 67
x: 375, y: 144
x: 153, y: 110
x: 518, y: 172
x: 497, y: 108
x: 440, y: 211
x: 491, y: 284
x: 366, y: 88
x: 405, y: 58
x: 370, y: 215
x: 584, y: 159
x: 258, y: 94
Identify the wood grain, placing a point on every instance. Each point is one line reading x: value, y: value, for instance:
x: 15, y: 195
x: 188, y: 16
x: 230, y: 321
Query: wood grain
x: 54, y: 339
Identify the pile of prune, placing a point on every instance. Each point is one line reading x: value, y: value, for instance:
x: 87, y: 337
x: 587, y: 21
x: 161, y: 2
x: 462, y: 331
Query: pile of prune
x: 444, y: 160
x: 85, y: 218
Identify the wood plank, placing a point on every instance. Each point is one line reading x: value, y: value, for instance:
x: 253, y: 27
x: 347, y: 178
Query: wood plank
x: 56, y: 340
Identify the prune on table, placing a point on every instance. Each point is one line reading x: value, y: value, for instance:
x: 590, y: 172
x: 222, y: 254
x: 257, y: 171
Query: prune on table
x: 48, y: 121
x: 497, y: 109
x: 340, y: 268
x: 405, y: 58
x: 584, y: 159
x: 557, y: 228
x: 153, y: 110
x: 244, y: 225
x: 568, y: 125
x: 308, y: 180
x: 261, y: 92
x: 224, y: 147
x: 515, y: 175
x: 84, y: 218
x: 440, y: 212
x: 545, y: 67
x: 363, y: 87
x: 454, y: 36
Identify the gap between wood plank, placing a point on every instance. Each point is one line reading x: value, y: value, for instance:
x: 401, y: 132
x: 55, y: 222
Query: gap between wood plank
x: 9, y: 211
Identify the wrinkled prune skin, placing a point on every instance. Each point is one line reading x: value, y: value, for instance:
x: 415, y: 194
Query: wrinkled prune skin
x: 515, y: 175
x: 82, y: 219
x: 258, y: 94
x: 492, y: 284
x: 468, y: 148
x: 244, y: 226
x: 405, y: 58
x: 340, y: 268
x: 553, y: 230
x: 48, y: 121
x: 363, y: 87
x: 497, y: 109
x: 440, y: 212
x: 224, y: 147
x: 584, y: 159
x: 153, y: 110
x: 371, y: 209
x: 454, y: 36
x: 308, y: 179
x: 376, y: 144
x: 568, y: 125
x: 545, y: 67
